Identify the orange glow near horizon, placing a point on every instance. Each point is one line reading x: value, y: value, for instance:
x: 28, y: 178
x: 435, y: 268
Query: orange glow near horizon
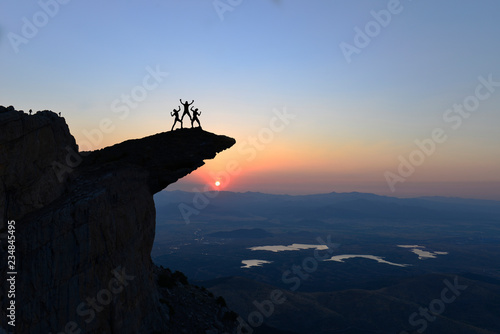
x: 312, y: 162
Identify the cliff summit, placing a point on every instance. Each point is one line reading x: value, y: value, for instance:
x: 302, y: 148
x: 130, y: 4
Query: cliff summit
x: 84, y: 225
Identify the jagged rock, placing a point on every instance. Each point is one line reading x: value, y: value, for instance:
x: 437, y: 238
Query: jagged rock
x: 28, y: 147
x: 85, y: 225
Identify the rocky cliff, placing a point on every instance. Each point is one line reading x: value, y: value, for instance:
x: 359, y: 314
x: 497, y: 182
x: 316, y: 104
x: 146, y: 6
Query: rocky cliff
x: 84, y: 226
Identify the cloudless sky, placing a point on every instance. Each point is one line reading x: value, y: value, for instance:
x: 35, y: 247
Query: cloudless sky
x: 353, y: 116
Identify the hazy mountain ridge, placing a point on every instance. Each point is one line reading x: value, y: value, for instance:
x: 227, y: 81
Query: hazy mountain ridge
x: 341, y: 205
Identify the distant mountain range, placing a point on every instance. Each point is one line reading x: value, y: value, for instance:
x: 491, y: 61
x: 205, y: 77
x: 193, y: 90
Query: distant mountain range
x: 334, y: 205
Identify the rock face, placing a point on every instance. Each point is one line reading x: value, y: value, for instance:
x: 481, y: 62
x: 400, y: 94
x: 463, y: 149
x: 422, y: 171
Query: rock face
x: 85, y: 224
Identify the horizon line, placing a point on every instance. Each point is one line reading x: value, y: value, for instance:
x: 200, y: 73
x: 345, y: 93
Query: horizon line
x: 332, y: 192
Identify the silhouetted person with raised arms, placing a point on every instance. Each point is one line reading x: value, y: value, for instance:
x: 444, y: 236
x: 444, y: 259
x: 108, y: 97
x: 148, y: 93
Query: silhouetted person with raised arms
x: 195, y: 117
x: 177, y: 119
x: 186, y: 109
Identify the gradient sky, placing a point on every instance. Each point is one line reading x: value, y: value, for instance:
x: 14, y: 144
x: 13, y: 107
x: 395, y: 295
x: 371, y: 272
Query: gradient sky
x: 355, y: 117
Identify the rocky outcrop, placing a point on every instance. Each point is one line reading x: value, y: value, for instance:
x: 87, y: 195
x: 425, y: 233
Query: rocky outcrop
x: 85, y: 225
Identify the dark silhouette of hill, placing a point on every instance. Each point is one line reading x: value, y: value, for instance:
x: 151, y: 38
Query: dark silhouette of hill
x: 385, y: 310
x: 85, y: 225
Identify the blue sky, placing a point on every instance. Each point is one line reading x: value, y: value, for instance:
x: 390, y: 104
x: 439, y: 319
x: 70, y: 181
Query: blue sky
x: 353, y: 119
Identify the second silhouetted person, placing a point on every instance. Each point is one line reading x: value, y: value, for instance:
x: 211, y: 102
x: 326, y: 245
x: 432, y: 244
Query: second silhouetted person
x: 186, y: 109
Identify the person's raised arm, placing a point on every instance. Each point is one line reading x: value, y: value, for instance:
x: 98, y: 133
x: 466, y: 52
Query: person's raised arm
x: 181, y: 101
x: 191, y: 102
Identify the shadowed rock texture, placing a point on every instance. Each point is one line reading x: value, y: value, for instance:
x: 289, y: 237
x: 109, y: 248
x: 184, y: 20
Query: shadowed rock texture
x: 85, y: 225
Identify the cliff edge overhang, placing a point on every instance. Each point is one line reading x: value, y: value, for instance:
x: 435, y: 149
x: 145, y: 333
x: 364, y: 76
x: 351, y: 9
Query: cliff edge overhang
x: 82, y: 218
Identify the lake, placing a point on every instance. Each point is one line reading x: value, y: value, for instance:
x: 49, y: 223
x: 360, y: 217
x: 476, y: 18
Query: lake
x: 292, y: 247
x: 341, y: 258
x: 422, y: 254
x: 254, y: 263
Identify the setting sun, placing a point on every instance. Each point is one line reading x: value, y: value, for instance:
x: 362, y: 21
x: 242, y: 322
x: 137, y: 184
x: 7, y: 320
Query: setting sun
x: 217, y: 183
